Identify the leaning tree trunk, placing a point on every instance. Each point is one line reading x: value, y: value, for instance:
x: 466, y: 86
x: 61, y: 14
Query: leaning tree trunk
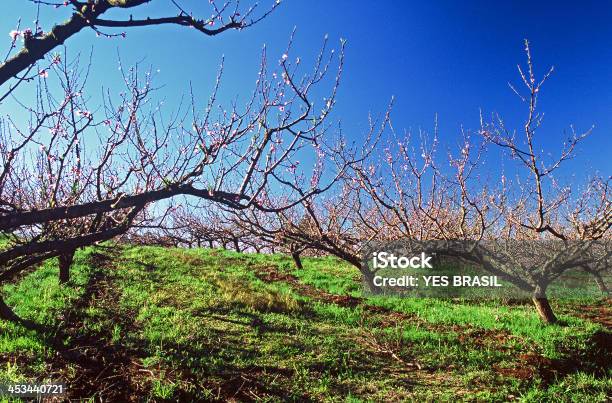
x: 544, y: 309
x: 65, y: 261
x: 368, y: 278
x: 602, y: 286
x: 297, y: 260
x: 7, y: 313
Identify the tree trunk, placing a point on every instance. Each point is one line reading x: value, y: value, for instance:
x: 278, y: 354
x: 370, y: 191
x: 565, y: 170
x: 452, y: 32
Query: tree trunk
x: 65, y: 261
x: 297, y: 260
x: 368, y: 278
x: 545, y: 312
x: 601, y: 284
x: 236, y: 245
x: 7, y: 313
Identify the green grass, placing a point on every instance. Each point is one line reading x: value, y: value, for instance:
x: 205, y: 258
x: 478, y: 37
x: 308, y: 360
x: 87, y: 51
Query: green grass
x: 217, y: 325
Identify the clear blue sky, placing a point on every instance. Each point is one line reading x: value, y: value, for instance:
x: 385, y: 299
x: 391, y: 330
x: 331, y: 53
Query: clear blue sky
x: 446, y: 57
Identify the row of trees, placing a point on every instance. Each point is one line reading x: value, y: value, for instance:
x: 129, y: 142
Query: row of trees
x: 74, y: 175
x: 522, y: 224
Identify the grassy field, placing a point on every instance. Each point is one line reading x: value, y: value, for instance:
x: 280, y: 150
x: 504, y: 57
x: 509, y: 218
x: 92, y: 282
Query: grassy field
x: 147, y: 323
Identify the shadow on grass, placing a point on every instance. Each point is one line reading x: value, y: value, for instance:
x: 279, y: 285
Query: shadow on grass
x: 113, y: 371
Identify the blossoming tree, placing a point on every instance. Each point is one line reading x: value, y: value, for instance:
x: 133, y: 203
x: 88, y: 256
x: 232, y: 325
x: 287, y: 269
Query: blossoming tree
x: 529, y: 230
x: 75, y: 174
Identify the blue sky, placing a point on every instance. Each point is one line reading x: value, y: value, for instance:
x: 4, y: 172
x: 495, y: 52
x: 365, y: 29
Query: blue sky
x: 449, y: 58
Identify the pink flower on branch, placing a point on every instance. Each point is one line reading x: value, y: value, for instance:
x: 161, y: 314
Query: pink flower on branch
x: 85, y: 114
x: 14, y: 35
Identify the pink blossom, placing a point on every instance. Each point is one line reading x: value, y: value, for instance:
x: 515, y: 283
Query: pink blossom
x: 281, y: 108
x: 14, y: 35
x: 315, y: 179
x: 43, y: 73
x: 286, y: 78
x: 86, y: 114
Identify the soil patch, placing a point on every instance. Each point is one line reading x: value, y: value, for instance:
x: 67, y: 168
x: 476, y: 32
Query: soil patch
x: 91, y: 363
